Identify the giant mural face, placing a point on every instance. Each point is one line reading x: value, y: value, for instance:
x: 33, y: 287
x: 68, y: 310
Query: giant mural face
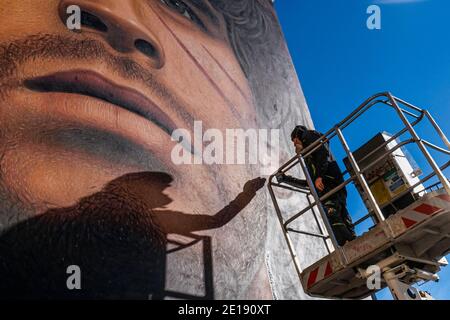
x: 82, y: 109
x: 87, y: 176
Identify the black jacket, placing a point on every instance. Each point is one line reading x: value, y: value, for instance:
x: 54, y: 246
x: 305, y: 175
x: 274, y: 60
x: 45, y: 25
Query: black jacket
x: 320, y: 163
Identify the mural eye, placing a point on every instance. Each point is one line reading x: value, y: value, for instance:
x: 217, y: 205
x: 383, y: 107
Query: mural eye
x: 184, y: 10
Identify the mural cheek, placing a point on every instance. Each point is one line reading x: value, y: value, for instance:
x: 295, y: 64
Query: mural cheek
x: 205, y: 70
x: 29, y: 17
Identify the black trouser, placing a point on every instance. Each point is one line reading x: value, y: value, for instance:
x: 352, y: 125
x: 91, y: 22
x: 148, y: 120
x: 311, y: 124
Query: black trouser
x: 338, y: 216
x: 335, y: 207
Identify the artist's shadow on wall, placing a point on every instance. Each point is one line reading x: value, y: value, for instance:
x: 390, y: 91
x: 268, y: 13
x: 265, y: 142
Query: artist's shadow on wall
x: 118, y: 238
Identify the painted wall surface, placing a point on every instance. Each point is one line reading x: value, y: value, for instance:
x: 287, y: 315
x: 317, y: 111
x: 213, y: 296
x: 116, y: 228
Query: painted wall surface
x: 87, y: 171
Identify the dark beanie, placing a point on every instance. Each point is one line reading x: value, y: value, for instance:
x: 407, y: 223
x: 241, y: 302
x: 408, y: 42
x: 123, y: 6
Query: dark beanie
x: 298, y: 132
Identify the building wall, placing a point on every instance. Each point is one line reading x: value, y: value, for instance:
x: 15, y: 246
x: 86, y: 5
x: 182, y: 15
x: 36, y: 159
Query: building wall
x: 92, y: 171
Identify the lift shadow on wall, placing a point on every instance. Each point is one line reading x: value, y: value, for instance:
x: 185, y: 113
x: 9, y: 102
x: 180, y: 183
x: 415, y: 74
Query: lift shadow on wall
x: 118, y: 237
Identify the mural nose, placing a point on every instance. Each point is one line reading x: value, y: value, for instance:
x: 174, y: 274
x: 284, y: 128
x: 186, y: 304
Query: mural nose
x: 118, y: 24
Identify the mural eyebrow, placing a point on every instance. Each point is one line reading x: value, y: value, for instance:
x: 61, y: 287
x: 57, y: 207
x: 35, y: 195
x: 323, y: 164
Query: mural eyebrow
x: 205, y: 9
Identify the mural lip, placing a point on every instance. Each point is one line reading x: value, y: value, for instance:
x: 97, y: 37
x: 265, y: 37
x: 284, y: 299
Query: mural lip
x: 91, y: 84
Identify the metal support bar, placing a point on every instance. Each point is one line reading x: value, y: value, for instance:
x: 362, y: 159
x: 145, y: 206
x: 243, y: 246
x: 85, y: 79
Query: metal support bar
x: 362, y: 181
x: 279, y: 185
x: 298, y: 215
x: 424, y: 261
x: 437, y: 233
x: 315, y: 145
x: 384, y: 155
x: 313, y: 234
x: 327, y: 244
x: 405, y: 112
x: 321, y: 199
x: 285, y: 165
x: 362, y: 108
x: 399, y: 289
x: 409, y: 105
x: 435, y: 147
x: 316, y: 198
x: 394, y: 137
x: 421, y: 145
x: 286, y: 236
x: 423, y: 180
x: 367, y: 216
x: 438, y: 129
x: 410, y: 113
x: 291, y: 166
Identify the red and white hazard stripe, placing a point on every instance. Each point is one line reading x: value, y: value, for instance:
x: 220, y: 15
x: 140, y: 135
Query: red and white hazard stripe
x: 425, y: 210
x: 321, y: 272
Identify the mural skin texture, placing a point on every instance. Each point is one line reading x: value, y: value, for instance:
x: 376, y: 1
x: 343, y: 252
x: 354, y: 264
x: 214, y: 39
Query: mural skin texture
x: 86, y: 175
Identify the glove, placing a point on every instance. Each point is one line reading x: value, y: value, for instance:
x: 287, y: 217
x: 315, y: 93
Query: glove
x: 280, y: 177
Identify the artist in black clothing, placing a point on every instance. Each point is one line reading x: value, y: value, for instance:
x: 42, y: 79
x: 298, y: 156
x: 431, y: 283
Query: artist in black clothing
x: 325, y: 173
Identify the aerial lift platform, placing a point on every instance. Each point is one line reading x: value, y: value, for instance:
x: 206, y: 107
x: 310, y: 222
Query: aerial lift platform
x: 410, y: 235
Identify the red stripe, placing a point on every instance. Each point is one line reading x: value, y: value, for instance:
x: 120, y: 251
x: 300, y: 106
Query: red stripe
x: 328, y: 270
x: 444, y: 197
x: 427, y: 209
x: 312, y: 277
x: 408, y: 222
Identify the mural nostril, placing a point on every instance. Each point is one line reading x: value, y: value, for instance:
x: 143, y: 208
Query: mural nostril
x: 146, y: 48
x: 91, y: 21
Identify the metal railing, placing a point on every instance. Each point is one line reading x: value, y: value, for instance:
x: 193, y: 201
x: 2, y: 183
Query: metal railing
x: 357, y: 173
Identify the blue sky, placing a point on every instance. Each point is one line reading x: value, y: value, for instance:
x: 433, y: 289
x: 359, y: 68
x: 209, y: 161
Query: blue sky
x: 340, y: 63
